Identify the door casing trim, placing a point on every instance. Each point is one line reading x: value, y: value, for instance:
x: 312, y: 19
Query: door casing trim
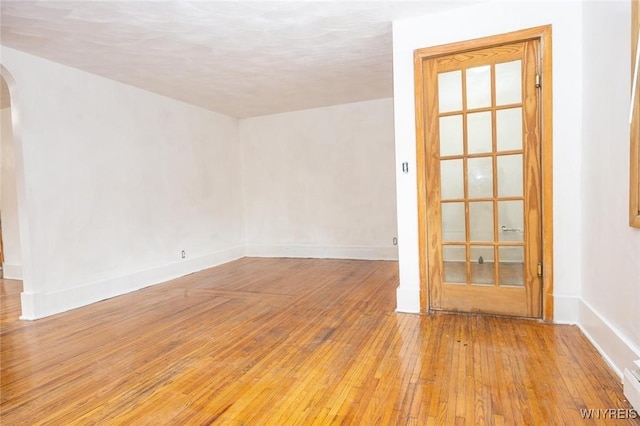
x: 543, y: 34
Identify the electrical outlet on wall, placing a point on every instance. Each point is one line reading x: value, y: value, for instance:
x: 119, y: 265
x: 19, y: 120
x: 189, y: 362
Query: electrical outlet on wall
x: 184, y: 255
x: 395, y: 241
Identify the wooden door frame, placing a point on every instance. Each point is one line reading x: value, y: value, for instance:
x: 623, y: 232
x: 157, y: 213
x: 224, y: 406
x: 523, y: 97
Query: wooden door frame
x: 543, y: 34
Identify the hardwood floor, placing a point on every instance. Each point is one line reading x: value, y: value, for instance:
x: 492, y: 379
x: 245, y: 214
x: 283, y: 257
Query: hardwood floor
x: 291, y: 342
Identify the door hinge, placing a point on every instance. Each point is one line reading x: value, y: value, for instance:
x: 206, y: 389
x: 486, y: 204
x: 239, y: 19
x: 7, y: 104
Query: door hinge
x: 539, y: 269
x: 538, y: 80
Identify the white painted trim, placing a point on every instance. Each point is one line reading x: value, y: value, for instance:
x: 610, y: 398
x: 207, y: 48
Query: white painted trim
x: 408, y: 300
x: 39, y: 305
x: 612, y: 344
x: 11, y: 272
x: 322, y: 252
x: 631, y: 389
x: 565, y: 309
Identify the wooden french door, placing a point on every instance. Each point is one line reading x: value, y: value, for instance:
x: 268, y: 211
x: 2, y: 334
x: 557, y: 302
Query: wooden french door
x: 482, y: 174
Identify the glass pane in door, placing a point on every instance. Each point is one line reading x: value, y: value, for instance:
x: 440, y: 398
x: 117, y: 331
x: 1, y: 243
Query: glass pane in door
x: 480, y: 177
x: 455, y: 261
x: 511, y: 265
x: 481, y: 221
x: 451, y: 135
x: 479, y: 87
x: 482, y: 265
x: 509, y: 129
x: 509, y: 83
x: 453, y: 222
x: 510, y: 220
x: 450, y: 91
x: 451, y: 179
x: 510, y: 182
x: 479, y: 132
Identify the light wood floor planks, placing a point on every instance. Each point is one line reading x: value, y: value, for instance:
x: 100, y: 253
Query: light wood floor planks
x: 291, y: 342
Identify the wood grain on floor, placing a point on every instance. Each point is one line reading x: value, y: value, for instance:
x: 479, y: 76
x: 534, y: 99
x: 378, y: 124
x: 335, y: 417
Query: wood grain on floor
x: 291, y: 342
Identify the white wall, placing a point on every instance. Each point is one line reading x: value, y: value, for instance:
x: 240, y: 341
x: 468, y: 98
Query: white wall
x: 118, y: 181
x: 320, y: 182
x: 479, y: 21
x: 610, y: 305
x: 12, y: 265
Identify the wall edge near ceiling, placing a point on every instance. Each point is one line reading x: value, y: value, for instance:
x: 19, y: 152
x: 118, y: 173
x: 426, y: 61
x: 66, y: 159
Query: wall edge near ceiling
x: 42, y: 304
x: 616, y: 349
x: 322, y: 252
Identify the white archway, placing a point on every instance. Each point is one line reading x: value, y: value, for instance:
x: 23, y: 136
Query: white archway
x: 28, y: 308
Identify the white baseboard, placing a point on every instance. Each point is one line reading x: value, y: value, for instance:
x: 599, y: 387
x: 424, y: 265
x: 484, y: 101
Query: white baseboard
x: 632, y: 389
x: 408, y: 300
x: 11, y: 272
x: 613, y: 345
x: 38, y: 305
x: 322, y: 252
x: 565, y: 309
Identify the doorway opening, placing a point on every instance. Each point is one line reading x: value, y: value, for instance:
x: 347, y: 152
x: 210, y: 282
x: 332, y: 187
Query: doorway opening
x: 15, y: 233
x: 9, y: 218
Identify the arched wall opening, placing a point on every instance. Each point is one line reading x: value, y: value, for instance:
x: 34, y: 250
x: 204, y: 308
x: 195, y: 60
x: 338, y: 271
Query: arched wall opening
x: 9, y: 230
x: 13, y: 204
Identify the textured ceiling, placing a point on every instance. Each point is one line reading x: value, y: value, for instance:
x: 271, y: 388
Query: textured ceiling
x: 238, y: 58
